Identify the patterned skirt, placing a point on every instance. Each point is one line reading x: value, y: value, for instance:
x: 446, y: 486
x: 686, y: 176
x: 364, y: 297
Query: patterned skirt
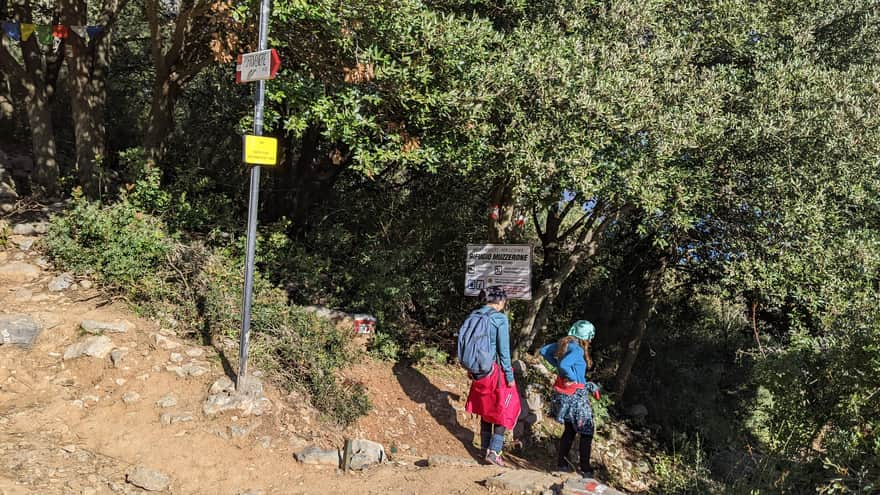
x: 574, y: 409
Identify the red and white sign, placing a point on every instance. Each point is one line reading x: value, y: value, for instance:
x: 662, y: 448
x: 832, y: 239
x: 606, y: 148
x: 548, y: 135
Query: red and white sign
x: 257, y: 66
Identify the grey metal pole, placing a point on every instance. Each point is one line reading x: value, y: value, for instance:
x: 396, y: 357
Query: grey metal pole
x: 253, y: 204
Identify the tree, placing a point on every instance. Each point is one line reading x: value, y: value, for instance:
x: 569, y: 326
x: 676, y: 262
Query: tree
x: 32, y: 78
x: 202, y: 32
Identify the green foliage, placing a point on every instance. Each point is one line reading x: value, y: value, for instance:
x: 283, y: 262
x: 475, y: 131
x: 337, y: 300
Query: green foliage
x: 427, y: 355
x: 133, y: 252
x: 120, y: 245
x: 684, y: 470
x: 384, y: 346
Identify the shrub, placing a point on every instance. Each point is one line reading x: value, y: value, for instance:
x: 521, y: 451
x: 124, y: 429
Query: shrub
x: 133, y: 252
x: 119, y: 245
x: 384, y: 346
x: 425, y: 354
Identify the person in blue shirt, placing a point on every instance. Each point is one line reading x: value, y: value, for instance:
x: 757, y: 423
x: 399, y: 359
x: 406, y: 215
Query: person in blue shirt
x: 495, y: 402
x: 571, y: 398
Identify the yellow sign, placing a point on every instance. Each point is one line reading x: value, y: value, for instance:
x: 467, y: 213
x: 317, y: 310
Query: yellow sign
x: 260, y: 150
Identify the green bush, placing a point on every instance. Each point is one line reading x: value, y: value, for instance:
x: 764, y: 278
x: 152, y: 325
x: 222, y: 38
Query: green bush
x: 133, y: 252
x: 384, y: 346
x: 121, y: 246
x: 426, y: 355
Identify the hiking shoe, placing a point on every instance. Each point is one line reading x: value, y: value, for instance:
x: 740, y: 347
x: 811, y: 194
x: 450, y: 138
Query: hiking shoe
x: 493, y: 457
x: 564, y: 468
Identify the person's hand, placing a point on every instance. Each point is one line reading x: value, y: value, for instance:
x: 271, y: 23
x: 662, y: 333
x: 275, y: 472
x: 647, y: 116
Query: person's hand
x: 510, y: 383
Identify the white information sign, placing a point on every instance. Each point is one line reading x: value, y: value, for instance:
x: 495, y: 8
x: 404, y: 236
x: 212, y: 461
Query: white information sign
x: 257, y: 66
x: 506, y: 265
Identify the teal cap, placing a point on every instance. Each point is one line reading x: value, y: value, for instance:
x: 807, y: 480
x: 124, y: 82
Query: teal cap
x: 583, y: 330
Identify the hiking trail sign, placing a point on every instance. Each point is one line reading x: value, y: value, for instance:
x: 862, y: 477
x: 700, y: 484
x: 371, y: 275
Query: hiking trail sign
x: 257, y: 66
x: 506, y: 265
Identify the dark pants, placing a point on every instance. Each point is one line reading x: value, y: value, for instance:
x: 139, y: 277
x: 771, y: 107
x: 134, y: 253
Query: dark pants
x: 491, y: 436
x: 584, y: 447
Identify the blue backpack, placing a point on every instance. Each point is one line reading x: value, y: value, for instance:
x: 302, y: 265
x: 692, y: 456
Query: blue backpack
x: 475, y: 351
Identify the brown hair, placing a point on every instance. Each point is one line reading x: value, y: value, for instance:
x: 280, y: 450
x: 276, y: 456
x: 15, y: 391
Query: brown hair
x: 562, y: 348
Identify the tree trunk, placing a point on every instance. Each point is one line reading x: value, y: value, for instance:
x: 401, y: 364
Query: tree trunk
x: 161, y: 119
x: 86, y: 77
x: 646, y: 302
x: 45, y: 176
x: 545, y: 297
x: 502, y: 196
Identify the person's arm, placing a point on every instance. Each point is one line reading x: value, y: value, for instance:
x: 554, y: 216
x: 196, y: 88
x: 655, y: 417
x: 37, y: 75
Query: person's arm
x: 503, y: 346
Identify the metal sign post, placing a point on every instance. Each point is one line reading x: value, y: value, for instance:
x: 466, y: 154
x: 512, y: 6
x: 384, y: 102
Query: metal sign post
x: 253, y: 201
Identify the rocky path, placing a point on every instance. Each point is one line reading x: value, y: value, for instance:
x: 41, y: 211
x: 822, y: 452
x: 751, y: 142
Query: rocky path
x: 95, y: 400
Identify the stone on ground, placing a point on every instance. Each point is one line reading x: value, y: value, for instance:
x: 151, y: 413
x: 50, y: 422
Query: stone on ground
x: 164, y: 342
x: 19, y: 271
x: 98, y: 346
x: 451, y: 460
x: 168, y: 400
x: 248, y: 401
x: 148, y: 479
x: 171, y: 418
x: 365, y: 453
x: 131, y: 397
x: 522, y: 481
x: 587, y: 486
x: 116, y: 357
x: 317, y: 455
x: 19, y: 329
x: 31, y: 228
x: 99, y: 327
x: 61, y: 282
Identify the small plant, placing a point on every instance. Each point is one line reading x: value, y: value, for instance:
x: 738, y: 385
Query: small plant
x: 384, y: 347
x: 122, y: 246
x: 4, y: 234
x: 427, y: 355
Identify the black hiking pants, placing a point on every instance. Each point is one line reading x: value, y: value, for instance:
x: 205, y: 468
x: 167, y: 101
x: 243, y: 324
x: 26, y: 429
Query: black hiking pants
x: 585, y: 448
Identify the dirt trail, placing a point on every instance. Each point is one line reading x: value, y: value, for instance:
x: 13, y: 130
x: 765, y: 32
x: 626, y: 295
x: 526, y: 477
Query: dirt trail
x: 80, y: 425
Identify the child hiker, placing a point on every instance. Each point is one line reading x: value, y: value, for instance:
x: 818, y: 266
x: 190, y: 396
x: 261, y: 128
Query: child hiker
x: 484, y: 350
x: 571, y: 398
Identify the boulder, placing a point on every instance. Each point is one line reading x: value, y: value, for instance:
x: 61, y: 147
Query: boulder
x: 522, y: 481
x: 18, y: 329
x: 316, y: 455
x: 61, y: 282
x: 97, y: 346
x: 168, y: 400
x: 171, y: 418
x: 31, y: 228
x: 587, y: 486
x: 148, y: 479
x: 450, y: 460
x: 98, y: 327
x: 365, y: 453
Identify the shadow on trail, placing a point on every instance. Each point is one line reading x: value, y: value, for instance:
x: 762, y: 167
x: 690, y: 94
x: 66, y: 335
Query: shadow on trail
x: 437, y: 402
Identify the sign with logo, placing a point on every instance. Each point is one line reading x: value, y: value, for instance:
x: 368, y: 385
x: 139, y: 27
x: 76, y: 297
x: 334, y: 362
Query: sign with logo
x: 257, y: 66
x: 260, y: 150
x: 505, y: 265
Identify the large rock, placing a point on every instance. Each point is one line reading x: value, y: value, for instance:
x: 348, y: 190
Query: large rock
x: 18, y: 329
x: 148, y: 479
x: 98, y: 327
x: 317, y: 455
x: 449, y: 460
x: 522, y: 481
x: 587, y: 486
x: 61, y: 282
x: 365, y: 453
x: 19, y: 271
x: 248, y: 401
x: 96, y: 346
x: 31, y: 228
